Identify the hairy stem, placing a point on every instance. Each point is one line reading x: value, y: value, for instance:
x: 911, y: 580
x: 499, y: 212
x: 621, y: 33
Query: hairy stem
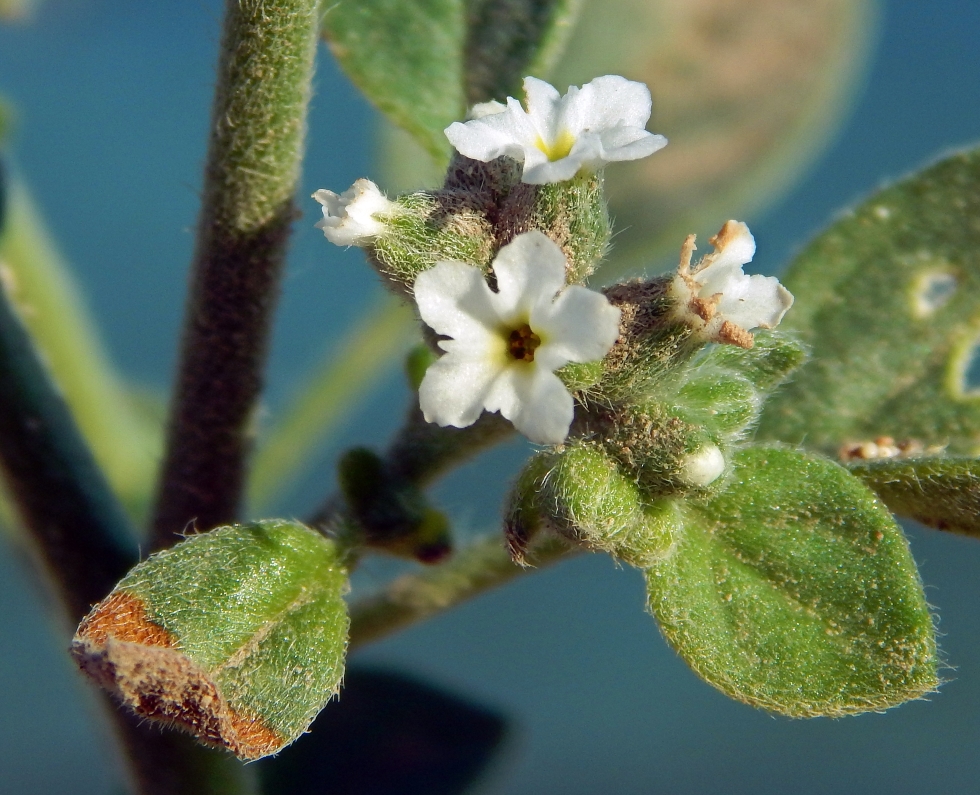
x: 257, y: 133
x: 482, y: 565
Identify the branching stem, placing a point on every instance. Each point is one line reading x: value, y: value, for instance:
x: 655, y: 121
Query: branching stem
x: 482, y: 565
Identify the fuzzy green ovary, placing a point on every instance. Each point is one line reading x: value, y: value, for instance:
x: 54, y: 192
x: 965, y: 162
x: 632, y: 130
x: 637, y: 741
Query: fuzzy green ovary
x: 425, y: 231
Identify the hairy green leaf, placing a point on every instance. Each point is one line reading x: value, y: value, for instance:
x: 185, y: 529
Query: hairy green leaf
x: 888, y: 299
x: 794, y: 590
x: 422, y: 62
x: 726, y: 385
x: 407, y: 57
x: 239, y: 635
x: 939, y: 492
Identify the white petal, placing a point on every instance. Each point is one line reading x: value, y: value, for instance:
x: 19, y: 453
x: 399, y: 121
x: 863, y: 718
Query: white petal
x: 454, y: 390
x: 530, y: 270
x: 547, y: 171
x: 580, y: 326
x: 535, y: 401
x: 544, y: 105
x: 609, y: 101
x: 718, y: 277
x: 734, y: 245
x: 755, y: 302
x: 454, y: 300
x: 481, y: 109
x: 350, y: 219
x: 480, y: 141
x: 629, y: 143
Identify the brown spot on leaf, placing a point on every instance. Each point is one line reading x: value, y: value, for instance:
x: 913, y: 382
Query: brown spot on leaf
x: 141, y: 664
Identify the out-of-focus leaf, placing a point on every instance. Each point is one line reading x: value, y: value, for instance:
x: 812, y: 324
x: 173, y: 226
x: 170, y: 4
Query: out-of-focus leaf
x: 125, y: 439
x: 939, y: 492
x: 888, y: 299
x: 509, y: 39
x: 423, y: 62
x: 17, y: 10
x: 389, y: 734
x: 794, y: 590
x: 746, y: 92
x: 237, y: 635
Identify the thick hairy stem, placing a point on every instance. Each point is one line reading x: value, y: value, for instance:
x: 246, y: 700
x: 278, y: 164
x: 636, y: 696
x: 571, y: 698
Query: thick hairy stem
x: 257, y: 133
x: 482, y: 565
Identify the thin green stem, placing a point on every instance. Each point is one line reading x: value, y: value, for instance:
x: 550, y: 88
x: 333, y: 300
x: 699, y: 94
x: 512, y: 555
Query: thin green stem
x: 125, y: 444
x: 483, y: 565
x: 257, y: 136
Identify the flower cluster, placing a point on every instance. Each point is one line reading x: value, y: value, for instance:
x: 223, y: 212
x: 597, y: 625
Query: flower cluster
x: 510, y: 324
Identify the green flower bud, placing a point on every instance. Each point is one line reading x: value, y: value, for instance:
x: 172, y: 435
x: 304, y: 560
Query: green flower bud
x: 582, y: 493
x: 237, y: 636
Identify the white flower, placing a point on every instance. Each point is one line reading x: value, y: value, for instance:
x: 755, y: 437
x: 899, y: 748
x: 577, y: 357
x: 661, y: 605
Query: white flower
x: 505, y: 345
x: 556, y: 136
x: 350, y: 218
x: 718, y: 299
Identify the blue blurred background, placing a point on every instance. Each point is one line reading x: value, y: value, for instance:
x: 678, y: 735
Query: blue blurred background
x: 113, y: 100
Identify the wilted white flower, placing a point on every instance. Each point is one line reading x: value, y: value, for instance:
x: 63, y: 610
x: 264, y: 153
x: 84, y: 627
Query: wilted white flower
x: 557, y: 135
x: 718, y: 299
x: 506, y: 345
x: 350, y: 219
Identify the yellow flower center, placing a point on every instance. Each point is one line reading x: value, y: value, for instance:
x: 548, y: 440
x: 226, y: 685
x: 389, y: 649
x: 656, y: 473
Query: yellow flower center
x: 522, y: 343
x: 558, y: 148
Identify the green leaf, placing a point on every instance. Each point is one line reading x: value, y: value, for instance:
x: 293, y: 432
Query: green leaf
x: 794, y: 590
x: 407, y: 57
x: 939, y: 492
x: 422, y: 62
x: 238, y: 635
x: 888, y: 299
x: 509, y: 39
x: 739, y: 135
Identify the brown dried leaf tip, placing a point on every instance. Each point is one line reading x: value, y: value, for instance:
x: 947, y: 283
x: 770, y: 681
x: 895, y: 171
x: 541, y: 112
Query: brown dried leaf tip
x: 141, y: 665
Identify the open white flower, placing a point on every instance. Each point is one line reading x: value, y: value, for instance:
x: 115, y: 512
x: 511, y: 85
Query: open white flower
x: 506, y: 345
x: 601, y: 122
x: 718, y: 299
x: 350, y: 218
